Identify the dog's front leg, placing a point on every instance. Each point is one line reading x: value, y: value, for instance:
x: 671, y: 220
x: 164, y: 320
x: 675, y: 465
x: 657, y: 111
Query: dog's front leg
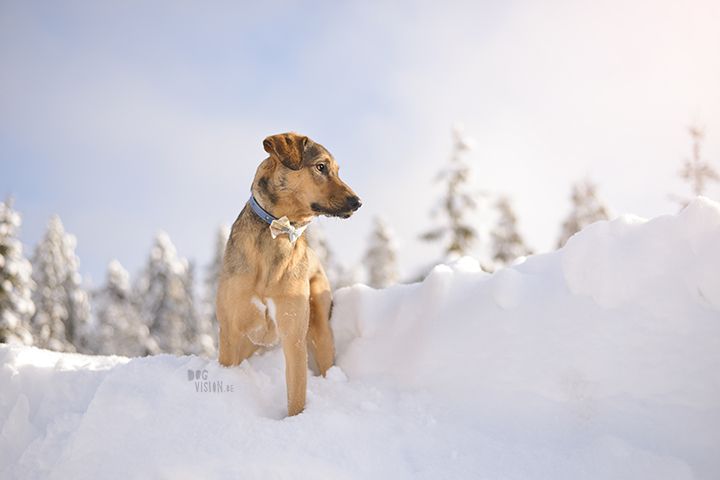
x: 292, y: 315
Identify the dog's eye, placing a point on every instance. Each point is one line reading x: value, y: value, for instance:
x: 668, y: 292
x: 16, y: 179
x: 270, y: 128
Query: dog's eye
x: 320, y: 167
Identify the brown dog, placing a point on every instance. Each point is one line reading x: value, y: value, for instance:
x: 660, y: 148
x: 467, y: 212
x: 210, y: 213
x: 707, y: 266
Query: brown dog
x: 272, y: 286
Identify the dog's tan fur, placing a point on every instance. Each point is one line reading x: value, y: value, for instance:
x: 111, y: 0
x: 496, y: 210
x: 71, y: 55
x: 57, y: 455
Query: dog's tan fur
x: 272, y: 289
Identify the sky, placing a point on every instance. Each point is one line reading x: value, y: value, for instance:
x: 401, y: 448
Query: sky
x: 129, y: 117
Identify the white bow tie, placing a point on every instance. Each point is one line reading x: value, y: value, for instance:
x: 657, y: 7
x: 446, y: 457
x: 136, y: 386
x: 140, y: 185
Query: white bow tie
x: 283, y: 225
x: 279, y: 226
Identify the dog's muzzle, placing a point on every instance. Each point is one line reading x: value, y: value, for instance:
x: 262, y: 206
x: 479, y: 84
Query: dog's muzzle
x: 352, y: 203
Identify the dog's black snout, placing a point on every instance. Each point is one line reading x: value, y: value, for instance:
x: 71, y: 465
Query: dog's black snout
x: 354, y: 203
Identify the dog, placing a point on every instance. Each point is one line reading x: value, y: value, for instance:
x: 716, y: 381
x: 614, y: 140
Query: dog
x: 272, y: 286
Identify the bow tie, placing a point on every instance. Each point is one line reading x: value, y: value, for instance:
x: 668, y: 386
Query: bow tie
x: 283, y: 225
x: 279, y: 226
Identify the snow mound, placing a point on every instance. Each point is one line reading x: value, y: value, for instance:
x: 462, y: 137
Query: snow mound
x: 598, y: 361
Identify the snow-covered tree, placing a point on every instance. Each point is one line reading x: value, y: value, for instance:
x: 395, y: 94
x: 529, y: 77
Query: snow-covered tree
x: 381, y: 257
x: 201, y: 334
x: 507, y: 244
x: 62, y: 309
x: 458, y: 204
x: 697, y: 171
x: 337, y: 274
x: 16, y: 305
x: 166, y: 301
x: 120, y: 327
x: 213, y: 277
x: 588, y: 208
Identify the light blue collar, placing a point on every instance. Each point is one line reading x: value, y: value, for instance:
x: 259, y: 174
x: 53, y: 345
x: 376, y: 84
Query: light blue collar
x: 260, y: 212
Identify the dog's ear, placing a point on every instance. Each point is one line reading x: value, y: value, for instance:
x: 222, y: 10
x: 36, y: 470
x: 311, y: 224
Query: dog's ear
x: 288, y: 148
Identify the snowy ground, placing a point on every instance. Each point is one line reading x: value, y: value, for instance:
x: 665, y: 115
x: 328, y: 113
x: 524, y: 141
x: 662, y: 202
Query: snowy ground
x: 598, y: 361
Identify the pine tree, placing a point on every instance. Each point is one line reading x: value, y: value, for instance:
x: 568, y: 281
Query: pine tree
x: 316, y: 240
x: 337, y: 275
x: 507, y: 244
x: 212, y: 279
x: 16, y: 305
x: 588, y: 208
x: 695, y: 170
x: 458, y: 204
x: 200, y: 334
x: 121, y: 329
x: 166, y: 303
x: 381, y: 257
x: 62, y: 307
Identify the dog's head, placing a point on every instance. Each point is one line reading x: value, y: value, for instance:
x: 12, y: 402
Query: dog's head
x: 300, y: 180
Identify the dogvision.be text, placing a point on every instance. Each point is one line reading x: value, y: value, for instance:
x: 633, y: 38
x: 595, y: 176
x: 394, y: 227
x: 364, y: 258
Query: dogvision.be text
x: 203, y: 385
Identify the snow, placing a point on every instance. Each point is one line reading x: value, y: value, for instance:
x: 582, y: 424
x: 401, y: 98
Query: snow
x: 600, y: 361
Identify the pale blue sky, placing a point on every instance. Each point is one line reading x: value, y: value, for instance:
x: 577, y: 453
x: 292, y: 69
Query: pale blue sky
x: 127, y: 117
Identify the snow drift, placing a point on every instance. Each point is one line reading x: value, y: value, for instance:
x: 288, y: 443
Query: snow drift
x: 600, y: 360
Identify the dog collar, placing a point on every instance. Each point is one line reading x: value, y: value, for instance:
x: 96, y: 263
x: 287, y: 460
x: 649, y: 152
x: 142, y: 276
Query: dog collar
x: 260, y: 212
x: 279, y: 226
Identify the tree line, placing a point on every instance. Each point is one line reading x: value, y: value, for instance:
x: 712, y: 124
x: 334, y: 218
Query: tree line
x: 43, y: 301
x: 456, y: 213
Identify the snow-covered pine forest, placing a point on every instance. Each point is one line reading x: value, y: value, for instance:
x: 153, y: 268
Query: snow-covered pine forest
x: 45, y: 303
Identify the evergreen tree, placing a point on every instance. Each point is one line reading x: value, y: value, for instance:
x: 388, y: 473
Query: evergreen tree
x: 166, y: 299
x: 337, y: 275
x: 62, y: 307
x: 588, y: 208
x: 212, y: 279
x: 345, y: 276
x: 458, y: 204
x: 200, y: 334
x: 121, y: 329
x: 316, y: 240
x: 507, y: 244
x: 695, y: 170
x: 381, y: 258
x: 16, y: 305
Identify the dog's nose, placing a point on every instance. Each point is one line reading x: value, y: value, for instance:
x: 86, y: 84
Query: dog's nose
x: 354, y: 203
